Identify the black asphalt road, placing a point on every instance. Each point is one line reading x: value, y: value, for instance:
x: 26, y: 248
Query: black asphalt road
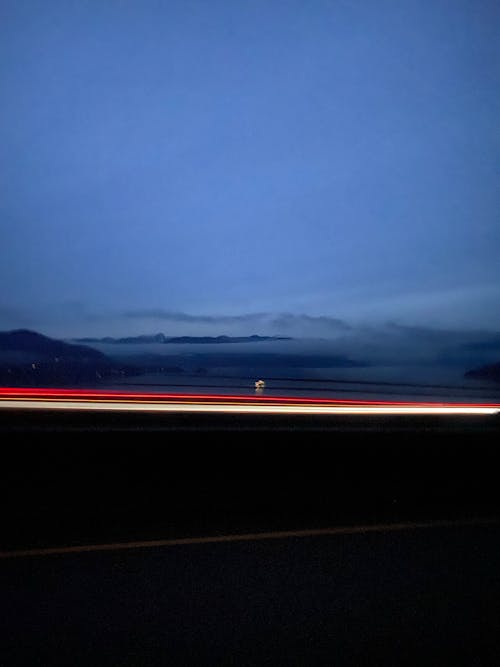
x: 426, y: 596
x: 429, y: 596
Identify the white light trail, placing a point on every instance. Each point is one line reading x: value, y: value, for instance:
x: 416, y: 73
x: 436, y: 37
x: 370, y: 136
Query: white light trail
x: 255, y: 408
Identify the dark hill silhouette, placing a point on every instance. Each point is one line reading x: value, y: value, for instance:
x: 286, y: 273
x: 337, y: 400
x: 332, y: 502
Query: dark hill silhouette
x: 28, y: 358
x: 23, y: 340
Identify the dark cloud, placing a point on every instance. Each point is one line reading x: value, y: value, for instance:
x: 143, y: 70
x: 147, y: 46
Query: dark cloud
x: 170, y: 316
x: 398, y: 344
x: 492, y: 343
x: 321, y: 324
x: 330, y: 324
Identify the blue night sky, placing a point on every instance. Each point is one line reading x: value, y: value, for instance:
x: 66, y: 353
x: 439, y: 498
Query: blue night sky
x: 207, y: 166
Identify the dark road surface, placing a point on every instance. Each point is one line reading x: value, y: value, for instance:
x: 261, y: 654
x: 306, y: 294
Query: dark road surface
x: 426, y: 596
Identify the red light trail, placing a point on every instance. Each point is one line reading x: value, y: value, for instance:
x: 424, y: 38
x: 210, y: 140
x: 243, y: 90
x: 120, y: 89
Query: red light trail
x: 92, y: 399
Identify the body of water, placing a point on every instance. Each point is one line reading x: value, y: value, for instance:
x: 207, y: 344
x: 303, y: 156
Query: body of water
x: 378, y: 384
x: 301, y: 367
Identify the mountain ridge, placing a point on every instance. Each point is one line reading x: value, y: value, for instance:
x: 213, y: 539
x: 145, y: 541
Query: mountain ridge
x: 25, y: 340
x: 162, y: 339
x: 28, y: 358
